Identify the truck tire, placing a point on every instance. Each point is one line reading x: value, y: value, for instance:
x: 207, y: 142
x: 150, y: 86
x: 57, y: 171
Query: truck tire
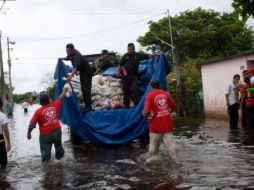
x: 75, y: 138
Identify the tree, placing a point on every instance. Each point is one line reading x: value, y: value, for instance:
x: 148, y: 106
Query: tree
x: 20, y: 98
x: 202, y: 34
x: 199, y: 35
x: 244, y: 8
x: 49, y: 84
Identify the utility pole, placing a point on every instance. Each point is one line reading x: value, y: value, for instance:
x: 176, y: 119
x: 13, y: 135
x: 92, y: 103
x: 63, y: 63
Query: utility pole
x: 2, y: 83
x: 4, y: 3
x: 9, y: 65
x: 176, y: 67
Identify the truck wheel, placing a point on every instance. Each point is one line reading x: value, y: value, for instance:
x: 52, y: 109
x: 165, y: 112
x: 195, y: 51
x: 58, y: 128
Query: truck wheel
x: 75, y: 138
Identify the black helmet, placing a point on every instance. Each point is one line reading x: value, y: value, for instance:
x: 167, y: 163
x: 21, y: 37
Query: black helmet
x: 44, y: 98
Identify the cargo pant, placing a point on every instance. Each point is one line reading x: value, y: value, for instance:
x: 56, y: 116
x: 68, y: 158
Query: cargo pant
x: 130, y: 87
x: 46, y: 143
x: 86, y: 86
x: 3, y: 153
x: 168, y: 140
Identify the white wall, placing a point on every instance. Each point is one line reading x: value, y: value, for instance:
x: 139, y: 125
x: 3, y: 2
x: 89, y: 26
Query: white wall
x: 215, y: 78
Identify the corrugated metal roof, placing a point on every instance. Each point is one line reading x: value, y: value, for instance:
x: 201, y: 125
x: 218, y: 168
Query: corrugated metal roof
x: 229, y: 57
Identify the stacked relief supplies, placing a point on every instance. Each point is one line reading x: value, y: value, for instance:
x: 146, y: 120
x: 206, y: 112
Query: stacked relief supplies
x: 106, y: 92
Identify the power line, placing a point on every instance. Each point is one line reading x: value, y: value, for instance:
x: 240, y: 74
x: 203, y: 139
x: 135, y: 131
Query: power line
x: 27, y: 64
x: 78, y: 11
x: 32, y: 58
x: 31, y: 64
x: 92, y: 33
x: 2, y: 5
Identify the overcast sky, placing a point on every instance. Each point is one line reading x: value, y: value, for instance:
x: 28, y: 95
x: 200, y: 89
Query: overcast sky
x: 42, y: 28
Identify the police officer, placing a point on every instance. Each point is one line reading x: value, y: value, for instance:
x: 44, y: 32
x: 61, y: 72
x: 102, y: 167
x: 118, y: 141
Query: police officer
x: 80, y: 64
x: 105, y: 62
x: 128, y: 70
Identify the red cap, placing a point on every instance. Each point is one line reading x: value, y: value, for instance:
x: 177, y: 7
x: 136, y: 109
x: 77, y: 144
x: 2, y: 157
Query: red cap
x: 251, y: 70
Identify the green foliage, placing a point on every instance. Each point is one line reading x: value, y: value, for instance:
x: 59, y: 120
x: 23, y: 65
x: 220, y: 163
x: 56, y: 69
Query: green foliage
x: 6, y: 89
x: 191, y: 86
x: 20, y: 98
x: 47, y: 82
x: 199, y: 35
x: 244, y: 8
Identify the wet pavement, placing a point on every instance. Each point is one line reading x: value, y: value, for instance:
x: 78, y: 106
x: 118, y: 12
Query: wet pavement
x: 211, y: 157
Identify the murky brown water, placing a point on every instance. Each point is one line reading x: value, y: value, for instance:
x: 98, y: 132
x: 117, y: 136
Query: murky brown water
x: 211, y: 157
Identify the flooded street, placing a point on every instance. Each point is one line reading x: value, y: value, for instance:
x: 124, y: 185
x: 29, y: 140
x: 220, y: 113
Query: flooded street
x: 211, y: 157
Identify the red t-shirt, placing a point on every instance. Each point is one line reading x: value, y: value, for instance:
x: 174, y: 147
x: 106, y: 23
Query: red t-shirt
x: 47, y: 117
x: 160, y: 103
x: 247, y: 92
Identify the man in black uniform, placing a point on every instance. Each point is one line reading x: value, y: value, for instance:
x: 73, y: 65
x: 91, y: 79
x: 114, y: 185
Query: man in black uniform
x: 80, y: 64
x: 105, y: 62
x: 128, y: 70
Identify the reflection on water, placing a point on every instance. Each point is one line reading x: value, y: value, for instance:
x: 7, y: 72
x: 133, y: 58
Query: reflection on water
x: 211, y: 157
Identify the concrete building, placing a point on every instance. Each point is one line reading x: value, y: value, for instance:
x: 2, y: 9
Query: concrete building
x: 217, y: 75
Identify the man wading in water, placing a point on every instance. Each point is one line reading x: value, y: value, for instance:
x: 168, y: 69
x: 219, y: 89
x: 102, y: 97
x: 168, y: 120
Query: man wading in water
x: 50, y: 130
x: 158, y: 105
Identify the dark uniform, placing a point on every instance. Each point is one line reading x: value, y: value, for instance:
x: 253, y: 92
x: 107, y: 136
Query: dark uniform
x: 130, y: 62
x: 86, y: 73
x: 105, y: 64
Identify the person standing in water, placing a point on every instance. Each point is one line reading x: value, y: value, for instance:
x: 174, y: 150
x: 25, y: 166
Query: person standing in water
x: 50, y: 129
x: 246, y: 79
x: 5, y: 144
x: 25, y: 106
x: 9, y: 107
x: 232, y: 99
x: 158, y: 105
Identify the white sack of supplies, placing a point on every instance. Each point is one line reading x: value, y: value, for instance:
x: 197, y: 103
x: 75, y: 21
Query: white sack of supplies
x: 106, y: 92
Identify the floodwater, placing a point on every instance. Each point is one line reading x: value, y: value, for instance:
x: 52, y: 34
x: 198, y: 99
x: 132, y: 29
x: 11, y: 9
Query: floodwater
x: 211, y: 157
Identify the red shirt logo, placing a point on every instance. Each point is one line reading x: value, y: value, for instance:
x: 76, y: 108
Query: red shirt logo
x: 49, y: 114
x: 161, y: 102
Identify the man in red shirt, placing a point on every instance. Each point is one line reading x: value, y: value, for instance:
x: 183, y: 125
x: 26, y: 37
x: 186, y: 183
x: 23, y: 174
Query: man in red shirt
x: 49, y: 125
x: 158, y: 105
x: 242, y: 102
x: 247, y: 96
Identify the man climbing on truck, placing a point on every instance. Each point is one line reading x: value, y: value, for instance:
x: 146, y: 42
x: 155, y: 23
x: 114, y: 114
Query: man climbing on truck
x: 80, y: 64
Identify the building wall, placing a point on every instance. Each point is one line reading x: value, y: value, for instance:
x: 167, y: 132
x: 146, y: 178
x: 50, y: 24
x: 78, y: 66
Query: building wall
x: 215, y: 78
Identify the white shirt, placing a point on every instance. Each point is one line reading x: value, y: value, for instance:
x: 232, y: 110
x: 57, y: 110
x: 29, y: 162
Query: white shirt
x: 3, y: 120
x: 252, y: 80
x: 233, y: 93
x: 25, y: 105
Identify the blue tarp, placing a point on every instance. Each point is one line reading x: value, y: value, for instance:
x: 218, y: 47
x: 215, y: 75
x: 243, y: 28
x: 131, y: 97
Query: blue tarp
x: 111, y: 126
